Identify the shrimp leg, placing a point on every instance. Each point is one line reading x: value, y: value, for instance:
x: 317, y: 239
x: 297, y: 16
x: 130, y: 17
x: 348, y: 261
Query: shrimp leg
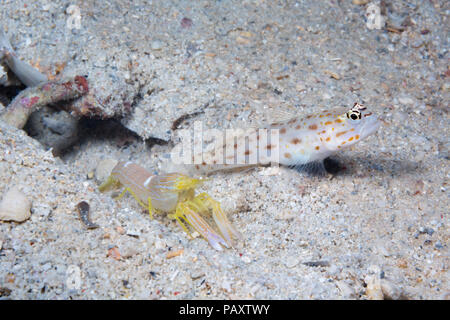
x: 186, y: 211
x: 209, y: 204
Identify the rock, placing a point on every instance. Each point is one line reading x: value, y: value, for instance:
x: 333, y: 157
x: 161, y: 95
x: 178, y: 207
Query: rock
x: 104, y: 169
x: 157, y: 45
x: 15, y: 206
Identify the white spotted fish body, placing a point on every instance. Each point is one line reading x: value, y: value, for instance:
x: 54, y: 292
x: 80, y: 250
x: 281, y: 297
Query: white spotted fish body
x: 300, y: 141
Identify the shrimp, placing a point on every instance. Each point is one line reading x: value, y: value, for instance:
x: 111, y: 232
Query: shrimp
x: 174, y: 193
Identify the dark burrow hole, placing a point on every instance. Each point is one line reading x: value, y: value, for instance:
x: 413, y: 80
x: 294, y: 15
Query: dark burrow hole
x: 110, y: 130
x: 332, y: 165
x: 328, y: 165
x: 7, y: 94
x: 58, y: 130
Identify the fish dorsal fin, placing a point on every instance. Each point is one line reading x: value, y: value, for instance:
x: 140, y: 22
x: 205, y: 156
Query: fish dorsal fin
x: 270, y: 117
x: 280, y: 116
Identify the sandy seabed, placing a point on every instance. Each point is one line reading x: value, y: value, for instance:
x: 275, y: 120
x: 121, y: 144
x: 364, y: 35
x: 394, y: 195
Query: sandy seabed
x: 377, y: 229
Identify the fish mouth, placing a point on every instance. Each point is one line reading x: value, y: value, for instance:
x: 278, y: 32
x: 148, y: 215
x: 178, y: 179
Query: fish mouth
x: 371, y: 126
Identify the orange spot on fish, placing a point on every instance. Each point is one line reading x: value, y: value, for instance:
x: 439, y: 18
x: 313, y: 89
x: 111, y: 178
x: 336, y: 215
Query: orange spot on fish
x: 283, y: 130
x: 328, y: 139
x: 298, y: 127
x: 357, y: 137
x: 350, y: 139
x: 338, y: 120
x: 287, y: 155
x: 296, y: 141
x: 328, y: 123
x: 313, y: 127
x: 340, y: 133
x: 317, y: 147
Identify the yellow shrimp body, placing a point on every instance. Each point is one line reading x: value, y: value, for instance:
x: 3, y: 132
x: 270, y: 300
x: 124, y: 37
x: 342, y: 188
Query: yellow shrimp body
x: 173, y: 193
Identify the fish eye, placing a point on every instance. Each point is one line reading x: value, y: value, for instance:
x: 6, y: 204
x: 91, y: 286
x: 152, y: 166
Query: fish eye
x: 354, y: 115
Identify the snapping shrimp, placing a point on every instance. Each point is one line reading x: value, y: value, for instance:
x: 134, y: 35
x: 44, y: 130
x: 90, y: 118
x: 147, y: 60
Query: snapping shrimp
x: 173, y: 193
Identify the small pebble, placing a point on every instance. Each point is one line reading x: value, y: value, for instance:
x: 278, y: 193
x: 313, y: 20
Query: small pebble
x: 133, y: 233
x: 114, y: 253
x: 322, y: 263
x: 438, y: 245
x: 428, y: 231
x: 360, y: 2
x: 173, y: 254
x: 186, y: 23
x: 196, y: 274
x: 300, y: 86
x: 15, y: 206
x: 157, y: 45
x: 406, y: 100
x: 291, y: 262
x: 120, y: 230
x: 127, y: 252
